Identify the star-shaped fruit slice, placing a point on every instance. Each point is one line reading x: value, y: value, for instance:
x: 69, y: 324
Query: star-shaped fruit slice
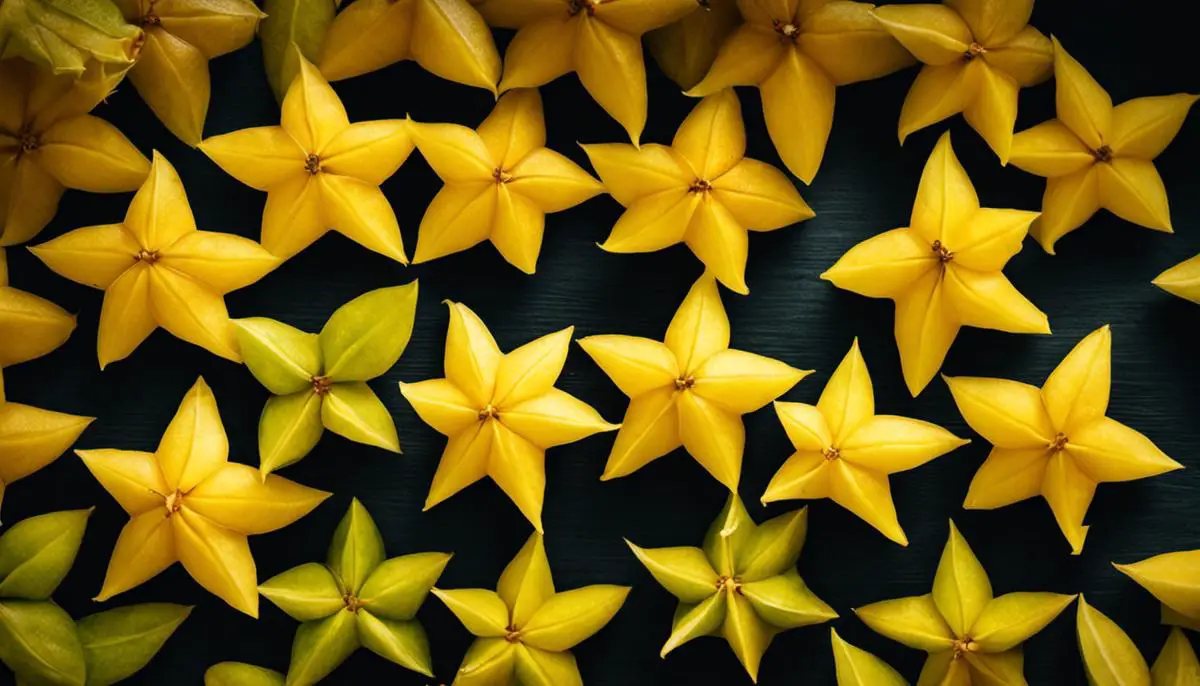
x: 845, y: 452
x: 600, y: 40
x: 857, y: 667
x: 945, y: 270
x: 1182, y: 280
x: 30, y: 438
x: 691, y: 389
x: 798, y: 53
x: 319, y: 381
x: 356, y: 599
x: 187, y: 503
x: 1173, y: 578
x: 972, y: 637
x: 157, y: 270
x: 501, y: 180
x: 320, y: 171
x: 49, y: 142
x: 741, y: 586
x: 180, y: 37
x: 1098, y: 156
x: 500, y: 411
x: 701, y: 191
x: 445, y: 37
x: 1055, y: 441
x: 978, y: 55
x: 525, y: 629
x: 1110, y: 656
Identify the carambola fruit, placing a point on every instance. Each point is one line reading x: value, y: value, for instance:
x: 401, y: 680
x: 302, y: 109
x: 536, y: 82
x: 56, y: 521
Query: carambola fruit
x: 318, y: 381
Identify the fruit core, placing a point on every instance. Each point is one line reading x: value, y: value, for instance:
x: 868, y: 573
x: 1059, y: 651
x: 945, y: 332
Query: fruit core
x: 501, y: 176
x: 489, y: 412
x: 1059, y: 443
x: 973, y: 50
x: 174, y: 502
x: 29, y: 141
x: 1103, y: 154
x: 512, y: 634
x: 964, y: 645
x: 942, y: 252
x: 147, y: 256
x: 831, y: 454
x: 312, y: 164
x: 574, y: 7
x: 700, y: 186
x: 321, y: 384
x: 683, y: 383
x: 729, y: 582
x: 352, y: 602
x: 787, y: 29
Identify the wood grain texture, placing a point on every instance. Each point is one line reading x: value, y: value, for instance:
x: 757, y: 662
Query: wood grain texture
x: 866, y: 186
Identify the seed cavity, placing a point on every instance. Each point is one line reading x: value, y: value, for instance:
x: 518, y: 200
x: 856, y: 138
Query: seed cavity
x: 786, y: 29
x: 574, y: 7
x: 174, y: 502
x: 352, y: 602
x: 312, y: 164
x: 942, y: 252
x: 974, y: 50
x: 683, y: 383
x: 964, y: 645
x: 729, y: 582
x: 831, y: 454
x: 512, y: 634
x: 147, y: 256
x: 1104, y: 154
x: 29, y: 141
x: 700, y: 186
x: 489, y: 412
x: 501, y: 176
x: 1059, y: 443
x: 321, y: 384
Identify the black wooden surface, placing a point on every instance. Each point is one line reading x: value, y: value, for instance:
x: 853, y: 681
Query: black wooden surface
x: 1102, y: 275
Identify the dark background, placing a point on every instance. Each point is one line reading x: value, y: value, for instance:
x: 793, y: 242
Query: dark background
x: 1102, y: 275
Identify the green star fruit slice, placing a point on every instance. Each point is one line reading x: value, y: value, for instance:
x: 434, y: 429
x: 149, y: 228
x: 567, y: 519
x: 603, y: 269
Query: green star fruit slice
x: 685, y: 572
x: 289, y: 428
x: 118, y: 643
x: 403, y: 642
x: 36, y: 553
x: 39, y: 643
x: 241, y: 674
x: 320, y: 647
x: 365, y: 337
x: 305, y: 593
x: 356, y: 549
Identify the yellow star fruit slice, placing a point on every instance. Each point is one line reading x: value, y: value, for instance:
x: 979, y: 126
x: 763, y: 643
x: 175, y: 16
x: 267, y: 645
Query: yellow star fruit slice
x: 500, y: 412
x: 1109, y: 657
x: 1173, y: 578
x: 1177, y: 664
x: 241, y: 674
x: 797, y: 54
x: 701, y: 191
x: 857, y: 667
x: 690, y: 390
x: 1182, y: 280
x: 525, y: 628
x: 180, y: 37
x: 31, y: 438
x: 49, y: 142
x: 741, y: 586
x: 1056, y: 441
x: 157, y: 270
x: 357, y: 598
x: 187, y: 503
x: 977, y: 55
x: 320, y: 171
x: 844, y: 451
x: 971, y: 635
x: 446, y: 37
x: 501, y: 180
x: 944, y: 270
x: 30, y: 327
x: 1096, y: 156
x: 598, y: 40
